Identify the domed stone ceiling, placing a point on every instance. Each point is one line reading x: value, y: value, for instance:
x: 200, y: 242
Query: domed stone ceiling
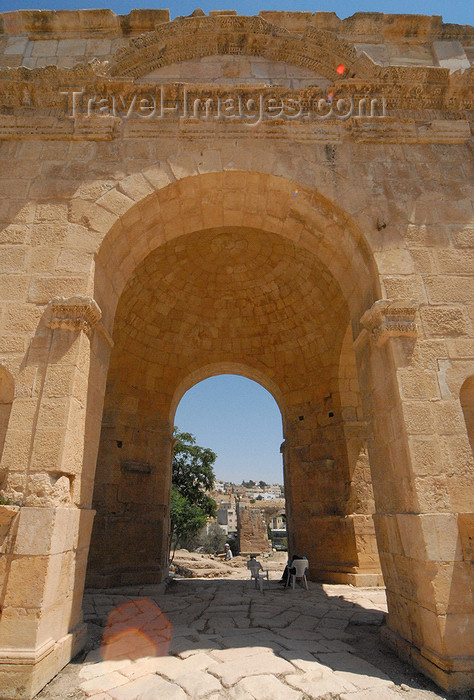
x: 233, y: 295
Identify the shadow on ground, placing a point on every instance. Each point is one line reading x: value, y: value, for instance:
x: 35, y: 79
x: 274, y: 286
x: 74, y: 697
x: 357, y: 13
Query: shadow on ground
x: 225, y: 639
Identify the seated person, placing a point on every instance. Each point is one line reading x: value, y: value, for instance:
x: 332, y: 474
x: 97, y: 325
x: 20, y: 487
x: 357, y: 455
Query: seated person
x: 254, y: 565
x: 288, y: 570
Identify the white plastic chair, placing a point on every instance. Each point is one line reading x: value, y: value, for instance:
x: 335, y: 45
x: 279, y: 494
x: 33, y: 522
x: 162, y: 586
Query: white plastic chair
x: 300, y: 565
x: 257, y: 572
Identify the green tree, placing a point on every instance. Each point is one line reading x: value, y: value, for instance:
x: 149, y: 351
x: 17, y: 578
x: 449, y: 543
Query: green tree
x: 215, y: 539
x: 262, y: 484
x: 233, y: 541
x: 249, y: 484
x: 192, y: 473
x: 192, y: 477
x: 270, y: 534
x: 186, y: 520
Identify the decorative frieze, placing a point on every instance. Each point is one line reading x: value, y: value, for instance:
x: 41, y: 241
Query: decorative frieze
x: 321, y: 50
x: 79, y: 313
x: 389, y: 318
x: 360, y: 129
x: 32, y: 94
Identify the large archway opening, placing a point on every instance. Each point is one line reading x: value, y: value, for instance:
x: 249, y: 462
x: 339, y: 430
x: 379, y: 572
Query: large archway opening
x: 229, y: 299
x: 241, y: 422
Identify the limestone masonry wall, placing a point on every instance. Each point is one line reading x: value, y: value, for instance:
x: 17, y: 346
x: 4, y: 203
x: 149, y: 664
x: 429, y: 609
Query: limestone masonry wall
x: 328, y: 256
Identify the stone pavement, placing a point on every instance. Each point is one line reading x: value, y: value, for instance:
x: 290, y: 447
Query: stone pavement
x: 202, y: 638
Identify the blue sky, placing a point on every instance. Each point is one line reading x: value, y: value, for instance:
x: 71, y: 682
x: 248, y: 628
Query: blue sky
x: 241, y: 422
x: 458, y: 11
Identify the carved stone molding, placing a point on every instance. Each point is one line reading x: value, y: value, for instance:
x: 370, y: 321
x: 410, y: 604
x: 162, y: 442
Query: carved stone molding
x: 430, y: 92
x: 389, y: 318
x: 79, y: 313
x: 359, y: 129
x: 194, y: 37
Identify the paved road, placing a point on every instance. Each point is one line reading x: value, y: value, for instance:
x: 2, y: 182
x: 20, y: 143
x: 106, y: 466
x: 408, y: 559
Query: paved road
x: 222, y: 638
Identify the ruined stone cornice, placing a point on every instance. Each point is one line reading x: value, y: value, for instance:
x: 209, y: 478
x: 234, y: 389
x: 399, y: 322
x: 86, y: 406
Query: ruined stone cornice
x: 362, y: 26
x: 359, y: 130
x: 196, y: 37
x: 391, y: 318
x: 415, y: 88
x: 98, y: 22
x: 78, y: 313
x: 403, y: 88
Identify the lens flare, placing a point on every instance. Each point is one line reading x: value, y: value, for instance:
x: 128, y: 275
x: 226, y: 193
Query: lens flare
x: 134, y: 630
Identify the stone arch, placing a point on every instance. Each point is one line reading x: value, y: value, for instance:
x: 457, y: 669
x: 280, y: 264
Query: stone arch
x: 288, y: 234
x: 146, y: 210
x: 466, y: 396
x: 194, y: 37
x: 7, y: 394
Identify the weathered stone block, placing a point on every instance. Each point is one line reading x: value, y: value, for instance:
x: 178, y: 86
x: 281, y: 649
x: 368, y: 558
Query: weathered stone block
x: 444, y: 321
x: 12, y: 259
